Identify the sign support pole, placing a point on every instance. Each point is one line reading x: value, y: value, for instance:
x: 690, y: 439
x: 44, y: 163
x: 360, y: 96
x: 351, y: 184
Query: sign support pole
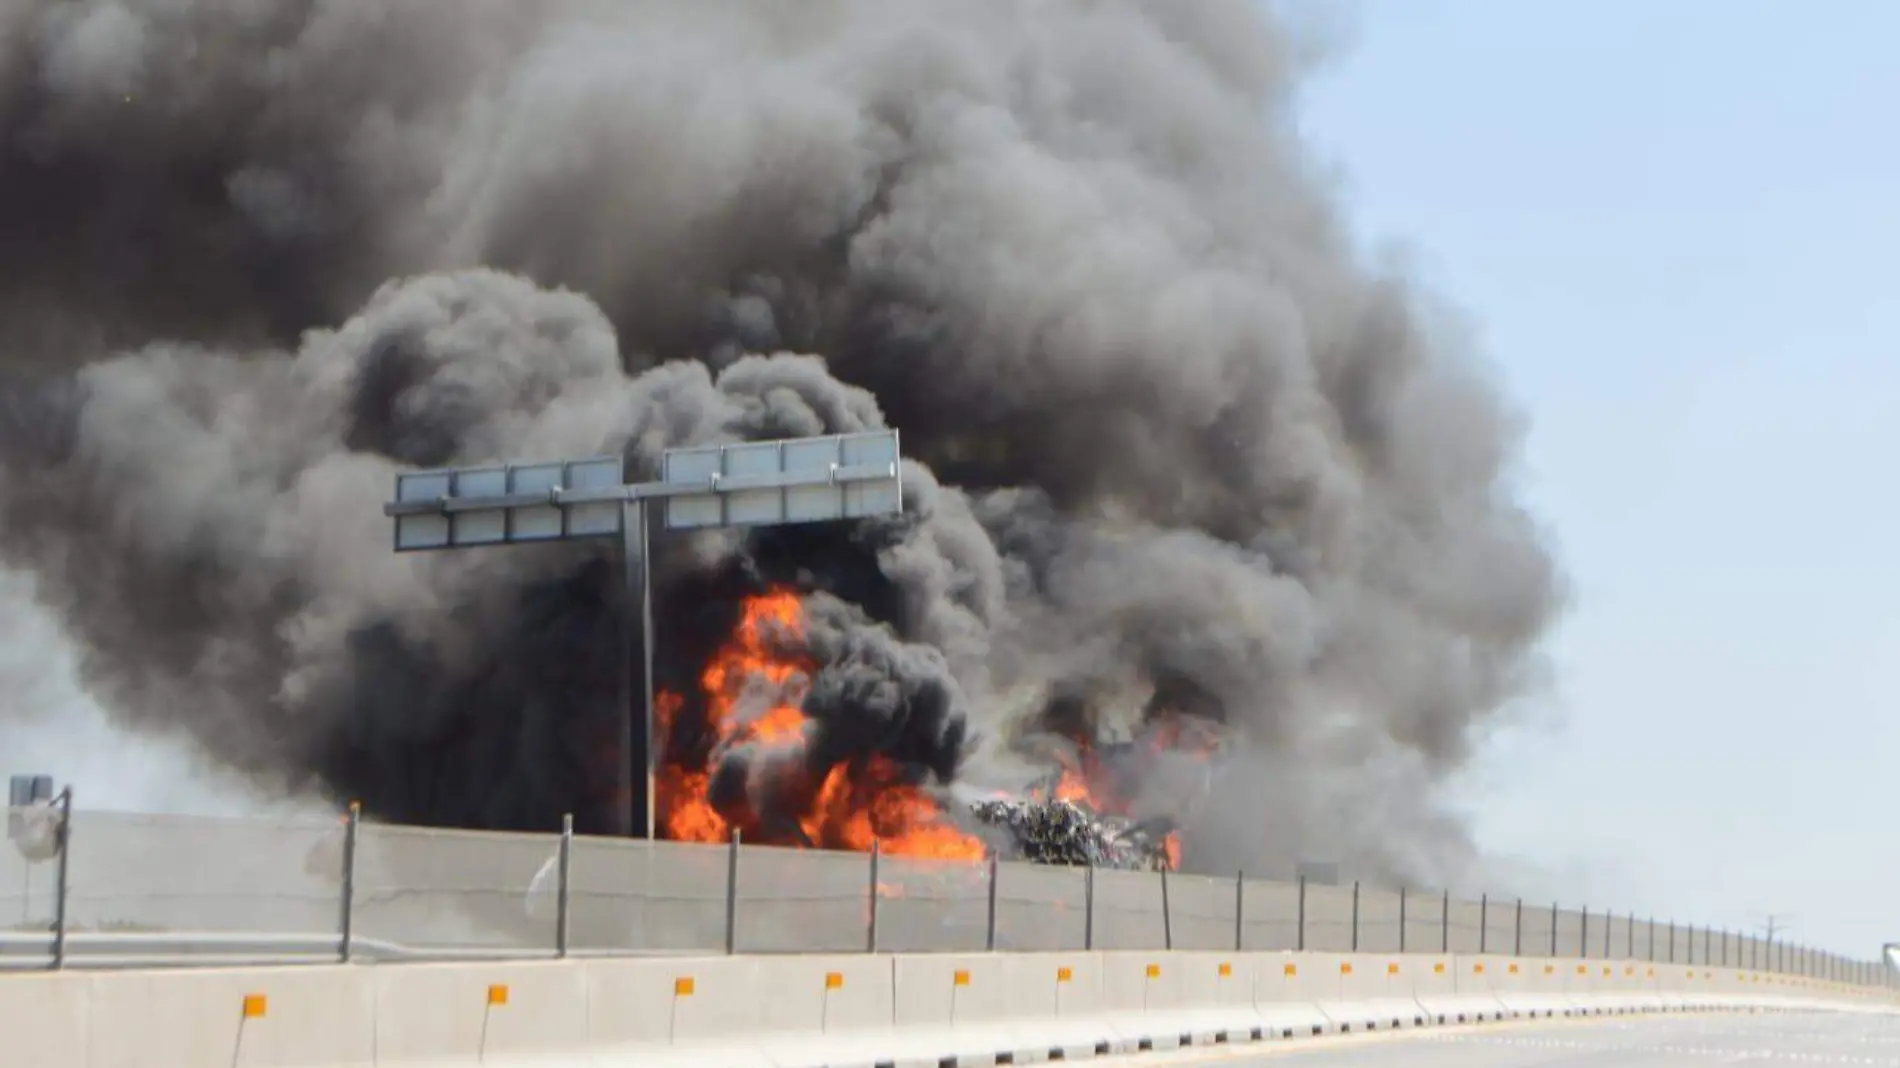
x: 637, y: 563
x: 829, y: 478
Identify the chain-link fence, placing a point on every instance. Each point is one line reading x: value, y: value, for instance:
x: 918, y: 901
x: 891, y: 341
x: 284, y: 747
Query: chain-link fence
x: 261, y: 889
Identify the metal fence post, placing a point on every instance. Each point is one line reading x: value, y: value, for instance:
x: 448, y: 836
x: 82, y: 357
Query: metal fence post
x: 1609, y: 927
x: 1167, y: 915
x: 1355, y: 915
x: 563, y: 898
x: 732, y: 892
x: 1672, y: 941
x: 1088, y: 909
x: 1240, y: 911
x: 347, y: 921
x: 989, y: 938
x: 1629, y: 941
x: 1484, y: 924
x: 64, y: 889
x: 870, y: 932
x: 1444, y: 922
x: 1299, y: 937
x: 1402, y: 897
x: 1553, y: 928
x: 1583, y: 934
x: 1517, y: 930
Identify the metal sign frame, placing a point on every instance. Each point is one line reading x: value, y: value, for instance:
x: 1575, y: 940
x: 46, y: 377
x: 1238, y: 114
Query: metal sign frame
x: 830, y: 478
x: 766, y: 483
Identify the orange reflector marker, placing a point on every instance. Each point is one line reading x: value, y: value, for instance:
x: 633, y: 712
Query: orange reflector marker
x: 834, y: 980
x: 1345, y: 967
x: 1292, y: 969
x: 1154, y: 971
x: 1550, y: 969
x: 1226, y: 970
x: 959, y: 978
x: 1392, y: 968
x: 1064, y: 974
x: 1439, y: 967
x: 683, y: 987
x: 497, y: 993
x: 1513, y: 967
x: 1606, y: 973
x: 1631, y: 970
x: 1582, y: 970
x: 1477, y: 969
x: 256, y: 1006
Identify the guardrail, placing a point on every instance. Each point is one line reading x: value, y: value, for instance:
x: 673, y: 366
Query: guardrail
x: 827, y: 1011
x: 177, y: 890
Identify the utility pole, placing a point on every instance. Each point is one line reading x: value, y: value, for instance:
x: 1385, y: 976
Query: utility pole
x: 1774, y: 925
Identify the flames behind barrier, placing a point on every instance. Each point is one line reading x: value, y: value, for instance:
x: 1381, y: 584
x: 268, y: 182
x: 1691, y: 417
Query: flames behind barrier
x: 1184, y: 462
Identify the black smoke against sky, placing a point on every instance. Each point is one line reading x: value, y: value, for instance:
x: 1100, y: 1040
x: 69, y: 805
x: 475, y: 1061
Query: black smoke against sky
x: 1169, y: 428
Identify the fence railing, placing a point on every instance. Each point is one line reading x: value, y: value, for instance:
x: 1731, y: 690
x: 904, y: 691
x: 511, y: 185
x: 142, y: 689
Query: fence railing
x: 82, y: 888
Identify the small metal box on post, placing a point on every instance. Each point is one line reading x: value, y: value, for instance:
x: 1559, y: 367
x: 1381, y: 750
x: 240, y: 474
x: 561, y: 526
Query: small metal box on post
x: 35, y: 825
x: 39, y: 824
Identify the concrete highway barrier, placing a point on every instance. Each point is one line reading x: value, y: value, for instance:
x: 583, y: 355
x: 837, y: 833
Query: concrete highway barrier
x: 826, y: 1011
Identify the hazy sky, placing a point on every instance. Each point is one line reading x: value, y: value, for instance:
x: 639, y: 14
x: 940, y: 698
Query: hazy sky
x: 1676, y: 230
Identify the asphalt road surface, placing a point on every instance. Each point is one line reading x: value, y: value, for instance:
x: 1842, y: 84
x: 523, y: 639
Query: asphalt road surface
x: 1635, y: 1042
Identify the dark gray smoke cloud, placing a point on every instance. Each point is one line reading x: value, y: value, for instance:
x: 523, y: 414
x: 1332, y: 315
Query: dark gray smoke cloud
x: 1171, y: 432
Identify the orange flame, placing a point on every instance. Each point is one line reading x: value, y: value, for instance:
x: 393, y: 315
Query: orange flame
x: 1089, y: 780
x: 856, y: 804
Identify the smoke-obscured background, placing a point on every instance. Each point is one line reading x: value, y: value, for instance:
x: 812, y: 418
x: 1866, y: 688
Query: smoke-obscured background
x: 1171, y: 430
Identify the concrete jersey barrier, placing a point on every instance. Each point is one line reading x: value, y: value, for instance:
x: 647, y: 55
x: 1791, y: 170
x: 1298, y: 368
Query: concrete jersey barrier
x: 824, y: 1011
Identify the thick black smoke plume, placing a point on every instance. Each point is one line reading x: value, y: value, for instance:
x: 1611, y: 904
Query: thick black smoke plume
x: 1170, y: 433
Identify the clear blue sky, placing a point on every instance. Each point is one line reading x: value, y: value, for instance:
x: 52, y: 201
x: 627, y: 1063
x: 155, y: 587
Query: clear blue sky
x: 1676, y: 228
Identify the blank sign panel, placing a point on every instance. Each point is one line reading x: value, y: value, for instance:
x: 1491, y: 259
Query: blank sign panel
x: 799, y: 480
x: 485, y: 527
x: 423, y: 531
x: 594, y: 520
x: 538, y: 522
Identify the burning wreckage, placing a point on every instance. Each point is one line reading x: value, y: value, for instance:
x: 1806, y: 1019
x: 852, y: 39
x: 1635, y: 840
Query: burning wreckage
x: 739, y: 754
x: 1049, y: 830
